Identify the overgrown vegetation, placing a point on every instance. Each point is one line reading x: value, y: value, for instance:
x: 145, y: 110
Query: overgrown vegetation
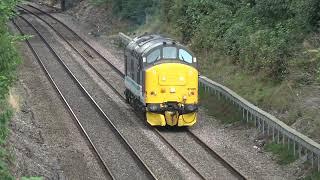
x: 267, y: 51
x: 314, y: 176
x: 134, y: 10
x: 258, y: 36
x: 219, y: 108
x: 9, y: 59
x: 285, y: 155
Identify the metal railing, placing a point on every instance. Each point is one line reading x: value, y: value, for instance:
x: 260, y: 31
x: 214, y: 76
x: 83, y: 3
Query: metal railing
x: 301, y: 145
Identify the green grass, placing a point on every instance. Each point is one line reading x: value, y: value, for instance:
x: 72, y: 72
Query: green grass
x: 5, y: 157
x: 219, y: 108
x: 9, y: 59
x: 32, y: 178
x: 284, y: 155
x: 314, y: 176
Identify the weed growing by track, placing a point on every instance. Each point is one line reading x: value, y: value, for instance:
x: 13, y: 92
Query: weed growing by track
x: 219, y: 108
x: 285, y: 155
x: 313, y: 176
x: 9, y: 59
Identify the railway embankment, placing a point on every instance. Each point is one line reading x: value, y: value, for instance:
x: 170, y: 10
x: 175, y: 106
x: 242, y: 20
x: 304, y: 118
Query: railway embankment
x: 44, y: 145
x: 294, y: 99
x: 9, y: 59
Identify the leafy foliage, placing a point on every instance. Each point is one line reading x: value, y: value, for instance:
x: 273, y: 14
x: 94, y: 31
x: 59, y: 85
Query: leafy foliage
x: 9, y: 59
x: 8, y: 55
x: 134, y: 10
x: 258, y: 35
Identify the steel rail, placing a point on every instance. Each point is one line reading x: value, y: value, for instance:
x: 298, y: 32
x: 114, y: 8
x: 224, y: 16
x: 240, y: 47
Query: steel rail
x: 216, y: 155
x: 80, y: 38
x: 126, y: 39
x: 116, y: 91
x: 200, y: 142
x: 91, y: 99
x: 105, y: 166
x: 76, y: 50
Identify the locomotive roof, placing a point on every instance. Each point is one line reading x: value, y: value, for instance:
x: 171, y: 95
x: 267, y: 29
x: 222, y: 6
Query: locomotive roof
x: 143, y: 44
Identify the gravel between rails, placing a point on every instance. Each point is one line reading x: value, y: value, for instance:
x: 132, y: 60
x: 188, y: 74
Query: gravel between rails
x: 213, y: 173
x: 154, y: 156
x: 123, y: 164
x: 200, y: 157
x: 234, y: 142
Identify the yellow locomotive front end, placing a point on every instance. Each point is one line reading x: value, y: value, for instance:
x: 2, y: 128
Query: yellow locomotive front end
x: 171, y: 94
x: 162, y: 79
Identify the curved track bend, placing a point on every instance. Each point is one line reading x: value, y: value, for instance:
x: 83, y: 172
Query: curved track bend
x: 91, y: 51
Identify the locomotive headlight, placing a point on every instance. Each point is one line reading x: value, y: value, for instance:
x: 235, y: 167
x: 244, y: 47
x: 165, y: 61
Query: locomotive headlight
x: 172, y: 90
x: 153, y: 93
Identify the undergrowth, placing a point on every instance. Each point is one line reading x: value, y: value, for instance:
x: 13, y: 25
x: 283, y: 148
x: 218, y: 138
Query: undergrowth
x: 9, y: 60
x: 219, y: 108
x: 284, y: 155
x: 314, y: 176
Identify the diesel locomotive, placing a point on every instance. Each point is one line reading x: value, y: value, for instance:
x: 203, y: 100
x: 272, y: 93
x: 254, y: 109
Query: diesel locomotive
x: 161, y: 77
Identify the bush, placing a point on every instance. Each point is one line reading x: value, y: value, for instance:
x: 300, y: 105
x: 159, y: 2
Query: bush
x: 9, y: 59
x: 258, y: 35
x: 134, y: 10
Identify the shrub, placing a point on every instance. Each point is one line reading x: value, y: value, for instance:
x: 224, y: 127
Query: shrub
x: 258, y: 35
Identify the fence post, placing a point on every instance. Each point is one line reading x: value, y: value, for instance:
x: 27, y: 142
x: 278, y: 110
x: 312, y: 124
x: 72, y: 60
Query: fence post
x: 272, y: 133
x: 263, y: 126
x: 255, y: 121
x: 312, y: 159
x: 243, y: 113
x: 247, y: 116
x: 318, y: 163
x: 294, y: 148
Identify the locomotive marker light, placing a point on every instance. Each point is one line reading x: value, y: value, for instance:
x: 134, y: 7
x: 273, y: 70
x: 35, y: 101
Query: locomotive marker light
x: 161, y: 75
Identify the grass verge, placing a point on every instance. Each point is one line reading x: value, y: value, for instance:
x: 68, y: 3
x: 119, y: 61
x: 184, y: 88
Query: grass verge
x: 218, y: 107
x: 284, y: 155
x: 5, y: 157
x: 314, y: 176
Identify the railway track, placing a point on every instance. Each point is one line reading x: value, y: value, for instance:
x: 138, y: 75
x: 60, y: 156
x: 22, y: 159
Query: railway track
x: 87, y: 52
x: 59, y: 77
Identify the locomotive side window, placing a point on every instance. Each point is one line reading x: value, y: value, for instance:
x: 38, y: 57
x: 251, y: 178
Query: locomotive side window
x: 185, y: 56
x: 155, y: 55
x: 169, y: 53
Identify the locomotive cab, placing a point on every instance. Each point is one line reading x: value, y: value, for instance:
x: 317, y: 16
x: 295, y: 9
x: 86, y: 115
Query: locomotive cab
x: 162, y: 78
